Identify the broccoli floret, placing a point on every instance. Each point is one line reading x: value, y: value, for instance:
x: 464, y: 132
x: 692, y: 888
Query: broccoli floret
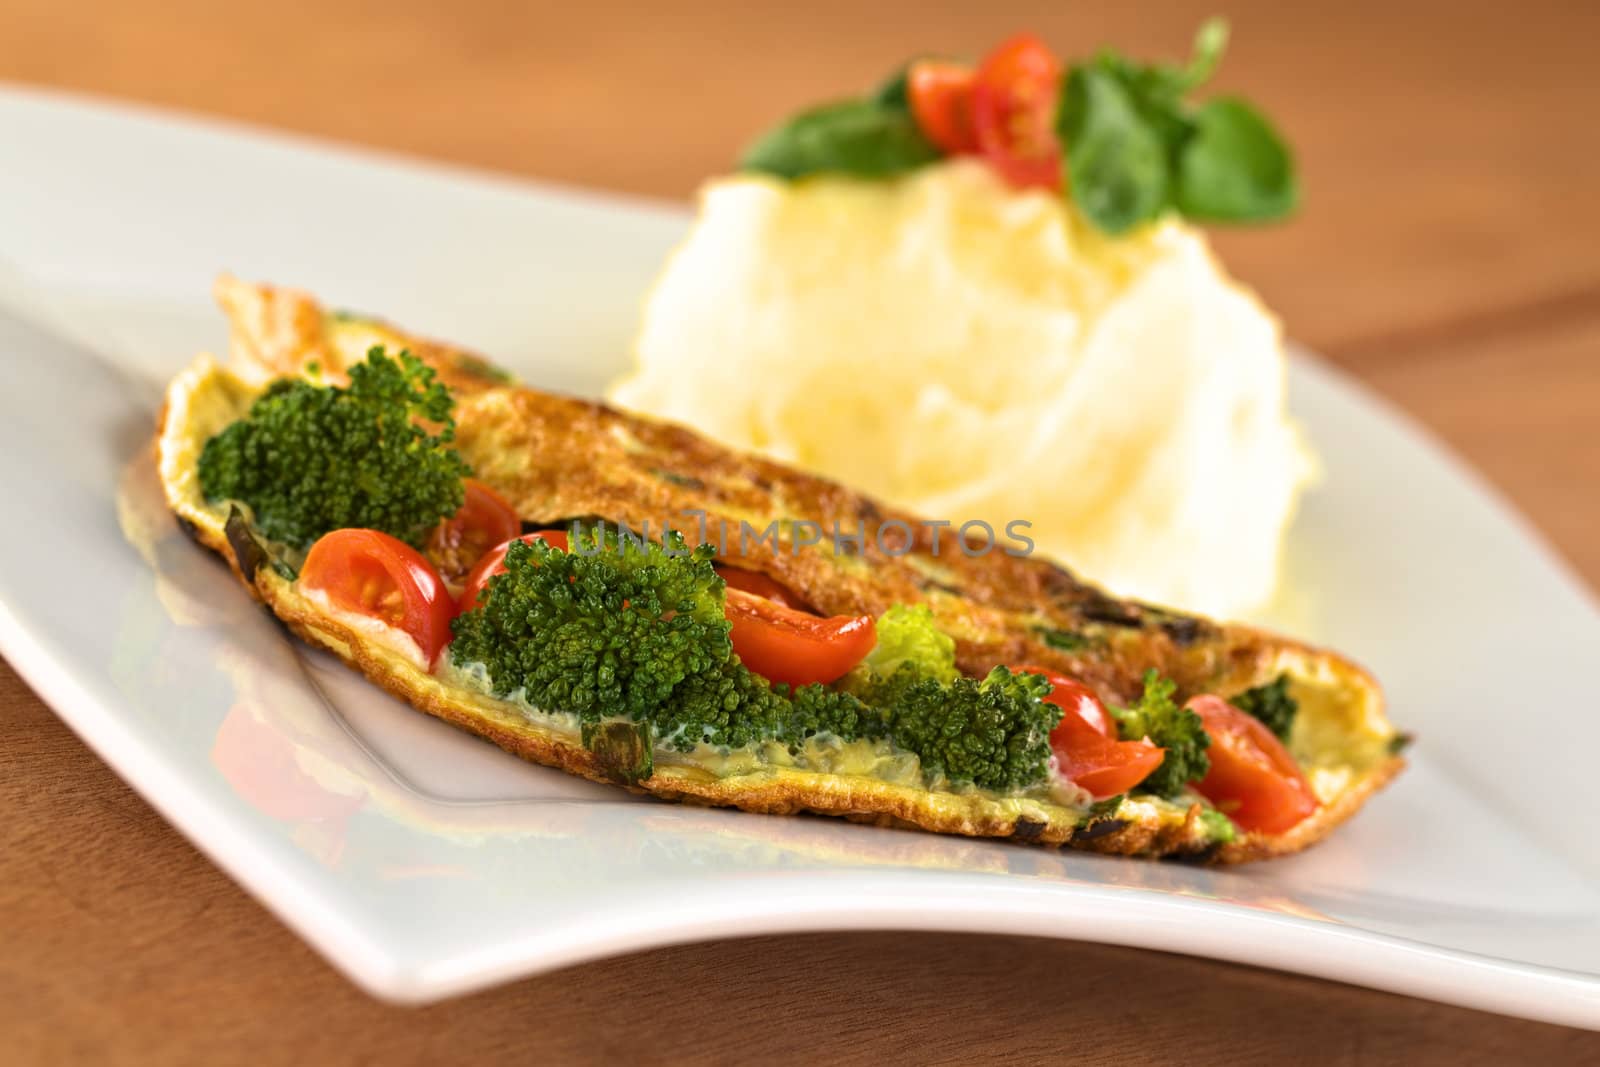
x: 994, y: 733
x: 733, y: 706
x: 1178, y: 730
x: 1272, y: 704
x: 606, y: 630
x: 817, y: 710
x: 313, y: 458
x: 907, y: 635
x: 725, y: 705
x: 615, y: 630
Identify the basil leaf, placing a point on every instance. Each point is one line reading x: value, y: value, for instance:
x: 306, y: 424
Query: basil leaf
x: 1235, y: 167
x: 1117, y: 163
x: 895, y: 92
x: 860, y: 137
x: 1154, y: 95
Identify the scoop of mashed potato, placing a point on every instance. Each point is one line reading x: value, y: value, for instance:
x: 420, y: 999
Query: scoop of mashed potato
x: 967, y: 351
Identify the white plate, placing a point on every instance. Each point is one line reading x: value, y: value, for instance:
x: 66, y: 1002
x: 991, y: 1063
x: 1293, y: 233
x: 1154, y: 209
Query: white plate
x: 424, y: 863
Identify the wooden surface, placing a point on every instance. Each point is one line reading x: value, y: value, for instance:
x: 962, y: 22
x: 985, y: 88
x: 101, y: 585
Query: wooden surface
x: 1446, y: 255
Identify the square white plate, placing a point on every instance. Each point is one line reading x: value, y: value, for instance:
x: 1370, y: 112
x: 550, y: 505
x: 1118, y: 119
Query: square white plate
x: 424, y: 863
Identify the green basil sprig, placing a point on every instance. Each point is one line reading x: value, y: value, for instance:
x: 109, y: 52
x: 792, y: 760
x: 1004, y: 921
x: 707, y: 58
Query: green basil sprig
x: 869, y: 138
x: 1117, y: 161
x: 1136, y: 148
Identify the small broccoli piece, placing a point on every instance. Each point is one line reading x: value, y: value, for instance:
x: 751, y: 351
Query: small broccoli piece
x: 1175, y: 729
x: 1062, y: 640
x: 724, y: 704
x: 1272, y: 704
x: 1219, y: 828
x: 309, y: 458
x: 1104, y: 809
x: 817, y: 710
x: 735, y: 707
x: 994, y: 733
x: 907, y: 636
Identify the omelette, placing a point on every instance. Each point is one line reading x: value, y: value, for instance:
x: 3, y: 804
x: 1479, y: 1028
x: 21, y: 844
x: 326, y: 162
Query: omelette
x: 556, y: 459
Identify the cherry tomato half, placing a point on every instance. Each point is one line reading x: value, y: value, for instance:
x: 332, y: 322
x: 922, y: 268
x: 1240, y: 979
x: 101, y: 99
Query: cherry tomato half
x: 941, y: 101
x: 1099, y: 764
x: 483, y: 521
x: 1085, y: 741
x: 493, y: 562
x: 761, y: 585
x: 1253, y: 779
x: 1073, y: 696
x: 1014, y: 112
x: 371, y: 573
x: 796, y: 647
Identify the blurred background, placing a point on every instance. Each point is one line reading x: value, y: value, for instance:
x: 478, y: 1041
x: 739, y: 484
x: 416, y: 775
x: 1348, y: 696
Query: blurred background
x: 1445, y: 254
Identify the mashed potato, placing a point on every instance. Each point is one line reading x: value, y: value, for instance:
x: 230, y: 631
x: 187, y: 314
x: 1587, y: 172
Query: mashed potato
x: 967, y: 351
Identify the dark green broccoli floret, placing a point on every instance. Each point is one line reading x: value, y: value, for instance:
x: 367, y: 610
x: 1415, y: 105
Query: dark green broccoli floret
x: 608, y: 630
x: 616, y: 630
x: 313, y: 458
x: 725, y: 705
x: 994, y: 733
x: 1272, y: 704
x: 1175, y: 729
x: 733, y: 706
x: 817, y: 710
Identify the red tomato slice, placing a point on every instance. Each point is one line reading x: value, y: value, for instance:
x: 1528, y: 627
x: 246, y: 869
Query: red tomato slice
x: 761, y: 585
x: 374, y: 574
x: 941, y: 102
x: 484, y: 520
x: 1103, y: 766
x: 1073, y: 696
x: 1253, y: 779
x: 1085, y: 741
x: 796, y: 647
x: 493, y: 562
x: 1014, y: 112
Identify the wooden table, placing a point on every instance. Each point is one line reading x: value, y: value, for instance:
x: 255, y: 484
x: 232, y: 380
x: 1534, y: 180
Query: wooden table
x: 1446, y: 255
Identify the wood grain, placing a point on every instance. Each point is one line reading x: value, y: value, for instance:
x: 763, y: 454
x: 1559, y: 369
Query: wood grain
x: 1445, y: 254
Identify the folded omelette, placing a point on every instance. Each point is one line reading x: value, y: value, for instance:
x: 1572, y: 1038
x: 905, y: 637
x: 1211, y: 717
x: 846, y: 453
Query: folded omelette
x: 970, y: 745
